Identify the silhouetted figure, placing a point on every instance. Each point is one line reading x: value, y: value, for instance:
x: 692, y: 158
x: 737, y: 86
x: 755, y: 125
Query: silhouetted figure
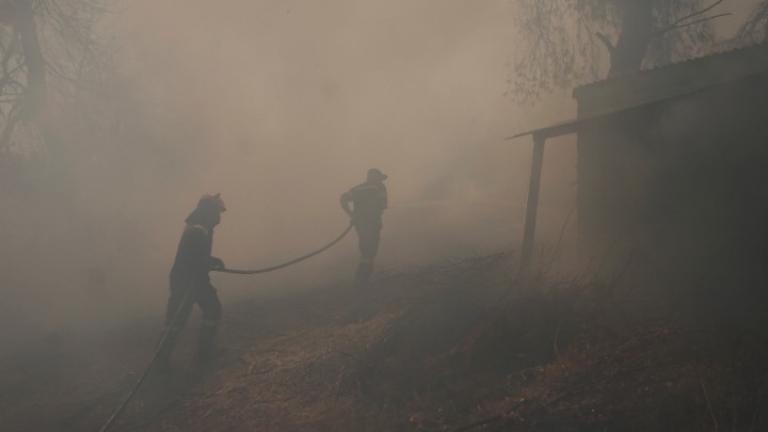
x: 190, y: 282
x: 368, y: 201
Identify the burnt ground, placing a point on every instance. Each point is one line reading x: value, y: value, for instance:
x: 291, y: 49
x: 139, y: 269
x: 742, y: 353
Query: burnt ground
x: 70, y: 380
x: 452, y: 347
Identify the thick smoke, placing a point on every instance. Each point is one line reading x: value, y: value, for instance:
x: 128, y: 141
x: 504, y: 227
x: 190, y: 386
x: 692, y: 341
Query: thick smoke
x: 281, y: 106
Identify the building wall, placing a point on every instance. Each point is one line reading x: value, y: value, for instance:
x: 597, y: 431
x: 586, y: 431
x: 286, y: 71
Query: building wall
x: 682, y: 181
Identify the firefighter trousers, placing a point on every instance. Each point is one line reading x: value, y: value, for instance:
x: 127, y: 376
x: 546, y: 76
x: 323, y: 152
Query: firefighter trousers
x: 180, y: 307
x: 368, y: 234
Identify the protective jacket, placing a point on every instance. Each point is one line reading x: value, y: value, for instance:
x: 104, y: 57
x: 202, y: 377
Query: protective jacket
x: 193, y: 257
x: 369, y: 202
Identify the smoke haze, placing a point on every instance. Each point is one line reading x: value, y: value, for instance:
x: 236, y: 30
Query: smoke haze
x: 281, y: 106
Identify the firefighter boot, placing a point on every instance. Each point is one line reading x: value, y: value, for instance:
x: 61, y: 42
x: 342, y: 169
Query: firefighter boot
x: 363, y: 273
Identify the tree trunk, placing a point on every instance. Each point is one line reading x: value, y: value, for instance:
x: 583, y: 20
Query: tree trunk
x: 33, y: 56
x: 635, y: 37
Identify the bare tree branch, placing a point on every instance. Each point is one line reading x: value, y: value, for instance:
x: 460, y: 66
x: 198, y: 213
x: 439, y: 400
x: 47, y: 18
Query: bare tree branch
x: 698, y: 13
x: 756, y: 22
x: 564, y: 39
x: 44, y: 45
x: 607, y: 42
x: 10, y: 126
x: 688, y: 24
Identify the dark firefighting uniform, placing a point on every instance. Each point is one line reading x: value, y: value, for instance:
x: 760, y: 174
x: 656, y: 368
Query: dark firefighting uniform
x: 369, y: 201
x: 190, y: 284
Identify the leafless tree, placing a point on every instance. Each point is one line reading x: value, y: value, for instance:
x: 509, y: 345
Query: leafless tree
x: 44, y: 47
x: 755, y: 27
x: 568, y: 41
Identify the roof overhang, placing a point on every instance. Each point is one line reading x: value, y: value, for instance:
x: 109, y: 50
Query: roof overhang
x: 573, y: 126
x: 617, y: 95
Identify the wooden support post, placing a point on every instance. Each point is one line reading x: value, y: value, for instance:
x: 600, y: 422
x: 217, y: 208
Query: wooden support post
x: 534, y: 185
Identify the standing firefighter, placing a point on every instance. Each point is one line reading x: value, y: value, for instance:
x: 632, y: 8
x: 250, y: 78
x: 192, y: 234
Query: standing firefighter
x: 190, y: 282
x: 368, y: 200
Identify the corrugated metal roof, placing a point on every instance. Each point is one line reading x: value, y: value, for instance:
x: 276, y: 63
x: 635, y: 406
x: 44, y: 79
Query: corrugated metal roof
x: 666, y: 82
x: 646, y: 86
x: 722, y: 48
x: 572, y: 126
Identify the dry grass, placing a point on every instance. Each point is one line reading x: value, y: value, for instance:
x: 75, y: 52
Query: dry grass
x: 465, y: 346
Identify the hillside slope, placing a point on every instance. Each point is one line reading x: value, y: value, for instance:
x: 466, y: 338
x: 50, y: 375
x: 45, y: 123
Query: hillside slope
x: 452, y: 347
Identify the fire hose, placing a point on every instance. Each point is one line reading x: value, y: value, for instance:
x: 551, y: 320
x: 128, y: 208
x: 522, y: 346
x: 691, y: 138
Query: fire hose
x: 177, y: 315
x: 291, y: 262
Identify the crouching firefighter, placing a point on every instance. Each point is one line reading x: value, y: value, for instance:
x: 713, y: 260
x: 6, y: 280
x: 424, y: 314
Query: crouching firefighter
x: 190, y: 283
x: 369, y: 200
